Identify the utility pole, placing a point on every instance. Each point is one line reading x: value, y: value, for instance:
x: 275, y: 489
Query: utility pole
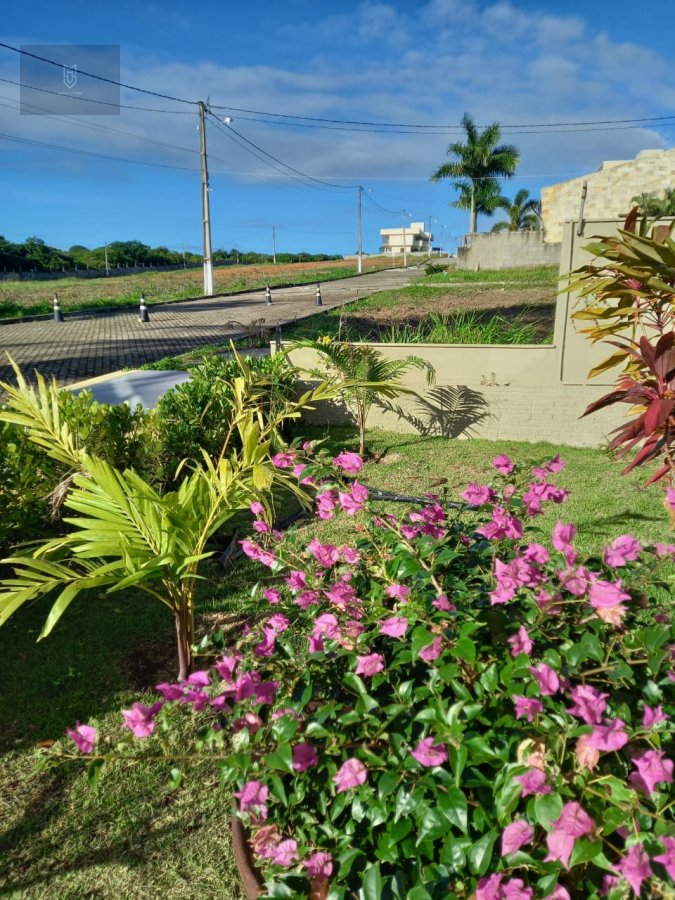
x: 107, y: 270
x: 405, y: 252
x: 274, y: 246
x: 360, y: 267
x: 430, y: 235
x: 206, y: 216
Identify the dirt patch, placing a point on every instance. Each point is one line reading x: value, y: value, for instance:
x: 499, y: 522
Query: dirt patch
x: 531, y: 306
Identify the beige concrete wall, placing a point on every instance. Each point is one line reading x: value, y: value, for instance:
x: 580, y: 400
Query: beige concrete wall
x: 610, y: 190
x: 503, y: 392
x: 508, y: 250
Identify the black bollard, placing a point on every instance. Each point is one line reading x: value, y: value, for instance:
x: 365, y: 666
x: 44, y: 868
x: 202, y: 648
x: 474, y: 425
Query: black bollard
x: 268, y: 296
x: 144, y: 310
x: 318, y: 301
x: 58, y: 315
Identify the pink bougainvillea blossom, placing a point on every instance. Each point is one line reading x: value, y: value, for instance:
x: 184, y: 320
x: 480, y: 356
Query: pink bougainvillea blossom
x: 515, y: 836
x: 587, y: 755
x: 527, y: 707
x: 285, y: 853
x: 635, y: 867
x: 278, y: 623
x: 572, y: 823
x: 353, y: 501
x: 588, y: 703
x: 536, y: 553
x: 370, y: 664
x: 266, y: 692
x: 610, y: 736
x: 651, y: 716
x: 256, y: 508
x: 653, y: 768
x: 250, y: 721
x: 305, y: 599
x: 433, y: 650
x: 351, y: 773
x: 622, y: 550
x: 261, y: 526
x: 521, y: 642
x: 253, y: 799
x: 328, y: 626
x: 325, y: 554
x: 245, y: 685
x: 83, y: 736
x: 140, y: 719
x: 267, y: 646
x: 533, y: 782
x: 477, y: 494
x: 319, y: 865
x: 429, y: 754
x: 326, y: 502
x: 296, y: 581
x: 503, y: 464
x: 304, y: 757
x: 442, y: 603
x: 396, y: 626
x: 547, y: 678
x: 502, y: 526
x: 607, y: 593
x: 350, y: 556
x: 667, y: 858
x: 265, y: 841
x: 172, y: 692
x: 398, y: 591
x: 490, y: 887
x: 560, y: 893
x: 283, y: 460
x: 271, y: 595
x: 514, y: 889
x: 350, y: 463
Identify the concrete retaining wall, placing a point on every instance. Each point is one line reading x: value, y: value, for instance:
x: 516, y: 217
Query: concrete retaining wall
x: 508, y: 250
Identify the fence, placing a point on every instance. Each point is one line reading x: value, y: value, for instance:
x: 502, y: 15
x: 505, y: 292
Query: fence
x: 34, y: 275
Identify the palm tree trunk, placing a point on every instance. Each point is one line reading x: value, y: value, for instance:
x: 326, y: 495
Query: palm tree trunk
x: 472, y: 214
x: 183, y: 643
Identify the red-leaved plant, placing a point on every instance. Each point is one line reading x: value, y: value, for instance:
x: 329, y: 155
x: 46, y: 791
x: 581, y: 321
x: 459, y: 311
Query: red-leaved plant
x: 440, y: 708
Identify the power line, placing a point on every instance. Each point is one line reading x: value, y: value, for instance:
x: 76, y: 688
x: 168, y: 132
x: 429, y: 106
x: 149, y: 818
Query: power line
x: 392, y: 212
x: 32, y: 87
x: 129, y: 87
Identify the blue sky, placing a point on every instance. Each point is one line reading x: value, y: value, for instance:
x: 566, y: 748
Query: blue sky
x: 527, y: 61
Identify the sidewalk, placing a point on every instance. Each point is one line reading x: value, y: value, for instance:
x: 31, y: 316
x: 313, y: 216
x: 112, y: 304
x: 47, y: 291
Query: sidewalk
x: 85, y: 346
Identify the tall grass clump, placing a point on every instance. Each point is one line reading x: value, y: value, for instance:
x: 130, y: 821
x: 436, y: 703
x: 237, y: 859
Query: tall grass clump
x: 463, y: 327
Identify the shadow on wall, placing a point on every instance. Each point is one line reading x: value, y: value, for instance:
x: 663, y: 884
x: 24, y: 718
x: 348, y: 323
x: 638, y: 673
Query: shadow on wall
x: 444, y: 411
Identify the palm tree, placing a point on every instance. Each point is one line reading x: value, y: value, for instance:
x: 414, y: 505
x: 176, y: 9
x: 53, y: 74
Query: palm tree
x: 480, y: 158
x: 524, y: 213
x: 487, y: 196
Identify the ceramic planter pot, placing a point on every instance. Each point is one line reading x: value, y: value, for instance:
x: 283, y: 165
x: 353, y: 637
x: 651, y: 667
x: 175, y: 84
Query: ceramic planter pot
x: 250, y: 877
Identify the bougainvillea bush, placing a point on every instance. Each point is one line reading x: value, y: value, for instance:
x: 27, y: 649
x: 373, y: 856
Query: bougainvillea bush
x: 443, y: 707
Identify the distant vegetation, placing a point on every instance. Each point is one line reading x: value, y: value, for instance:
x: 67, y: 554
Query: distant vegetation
x: 35, y: 254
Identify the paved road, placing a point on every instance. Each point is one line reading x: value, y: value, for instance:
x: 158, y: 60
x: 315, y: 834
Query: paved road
x: 88, y: 345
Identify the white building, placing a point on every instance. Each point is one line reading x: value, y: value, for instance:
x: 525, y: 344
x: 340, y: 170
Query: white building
x: 413, y: 236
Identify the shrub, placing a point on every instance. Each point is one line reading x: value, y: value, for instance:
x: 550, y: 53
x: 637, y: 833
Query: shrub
x: 442, y: 708
x: 435, y: 269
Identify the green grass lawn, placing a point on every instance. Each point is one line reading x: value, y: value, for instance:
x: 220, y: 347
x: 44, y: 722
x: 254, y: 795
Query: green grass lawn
x: 137, y: 838
x: 527, y: 276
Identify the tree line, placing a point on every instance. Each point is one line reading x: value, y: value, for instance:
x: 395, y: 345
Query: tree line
x: 35, y: 254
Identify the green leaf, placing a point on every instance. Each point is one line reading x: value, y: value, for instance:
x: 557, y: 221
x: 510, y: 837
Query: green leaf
x: 347, y: 859
x: 432, y: 826
x: 371, y: 886
x: 453, y: 805
x: 421, y: 638
x: 175, y: 779
x: 94, y: 772
x: 480, y: 853
x: 418, y: 893
x: 584, y: 851
x: 547, y: 808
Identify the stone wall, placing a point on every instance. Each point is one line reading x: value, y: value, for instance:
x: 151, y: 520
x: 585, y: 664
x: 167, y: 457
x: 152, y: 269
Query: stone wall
x: 610, y: 190
x: 508, y: 250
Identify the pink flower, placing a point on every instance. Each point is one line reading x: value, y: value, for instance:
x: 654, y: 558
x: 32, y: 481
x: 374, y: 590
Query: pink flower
x: 326, y: 503
x: 316, y: 644
x: 527, y: 707
x: 503, y: 464
x: 622, y: 550
x: 515, y: 836
x: 514, y: 889
x: 172, y: 692
x: 285, y: 853
x: 370, y: 664
x: 442, y: 603
x: 351, y: 774
x: 613, y: 615
x: 245, y: 685
x: 670, y: 497
x: 266, y: 692
x: 652, y: 716
x: 261, y: 526
x: 549, y: 683
x: 350, y: 556
x: 267, y: 645
x: 589, y: 704
x: 521, y: 642
x: 250, y: 721
x: 490, y: 888
x: 610, y: 736
x: 199, y: 679
x: 609, y: 882
x: 573, y: 822
x: 278, y: 623
x: 635, y: 868
x: 271, y: 595
x: 305, y: 599
x: 283, y: 460
x: 536, y: 553
x: 256, y: 508
x: 296, y: 581
x: 563, y: 535
x: 351, y: 463
x: 353, y: 502
x: 319, y: 865
x: 432, y: 651
x: 140, y: 718
x: 253, y: 797
x: 533, y: 782
x: 606, y: 593
x: 587, y: 755
x: 304, y: 757
x: 265, y: 841
x: 502, y: 526
x: 398, y: 591
x: 395, y: 627
x: 328, y: 626
x: 429, y: 754
x: 83, y: 736
x: 667, y: 858
x: 477, y: 494
x: 653, y: 768
x: 325, y: 554
x: 560, y: 893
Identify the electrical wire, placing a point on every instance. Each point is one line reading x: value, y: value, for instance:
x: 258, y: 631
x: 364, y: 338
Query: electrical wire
x: 32, y: 87
x: 129, y: 87
x: 392, y: 212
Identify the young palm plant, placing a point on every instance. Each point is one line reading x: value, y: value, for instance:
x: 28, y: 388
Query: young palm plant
x: 124, y: 533
x: 364, y: 375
